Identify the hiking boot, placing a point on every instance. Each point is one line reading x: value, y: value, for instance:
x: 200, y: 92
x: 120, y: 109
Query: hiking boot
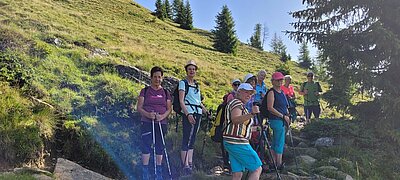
x: 145, y: 172
x: 281, y: 167
x: 159, y: 175
x: 187, y: 171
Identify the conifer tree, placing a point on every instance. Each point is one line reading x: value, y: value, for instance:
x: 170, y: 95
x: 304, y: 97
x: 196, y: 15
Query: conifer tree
x: 160, y: 10
x: 255, y: 39
x: 177, y: 9
x: 277, y: 45
x: 225, y: 39
x: 168, y: 9
x: 304, y: 56
x: 187, y: 21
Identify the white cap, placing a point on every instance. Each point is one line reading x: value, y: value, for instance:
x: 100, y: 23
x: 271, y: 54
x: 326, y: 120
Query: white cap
x: 246, y: 86
x: 247, y: 77
x: 235, y: 80
x: 288, y: 77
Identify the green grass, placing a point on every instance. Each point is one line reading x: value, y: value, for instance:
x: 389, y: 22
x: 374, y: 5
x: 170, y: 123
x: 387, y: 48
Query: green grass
x: 16, y: 177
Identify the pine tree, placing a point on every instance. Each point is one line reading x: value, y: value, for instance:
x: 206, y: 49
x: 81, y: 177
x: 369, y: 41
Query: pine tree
x: 160, y: 10
x: 168, y: 9
x: 361, y: 40
x: 177, y: 9
x: 187, y: 21
x: 304, y: 56
x: 255, y: 39
x: 276, y: 44
x: 225, y: 39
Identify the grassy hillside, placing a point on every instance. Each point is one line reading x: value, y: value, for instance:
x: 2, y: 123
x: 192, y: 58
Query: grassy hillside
x: 127, y: 34
x: 60, y: 52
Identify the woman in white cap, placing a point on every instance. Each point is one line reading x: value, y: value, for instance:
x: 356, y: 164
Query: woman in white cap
x: 277, y: 105
x: 192, y: 109
x: 288, y: 90
x: 237, y: 134
x: 231, y: 95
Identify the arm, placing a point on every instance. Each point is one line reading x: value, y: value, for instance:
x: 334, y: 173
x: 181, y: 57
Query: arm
x: 238, y: 118
x: 142, y: 111
x: 169, y: 109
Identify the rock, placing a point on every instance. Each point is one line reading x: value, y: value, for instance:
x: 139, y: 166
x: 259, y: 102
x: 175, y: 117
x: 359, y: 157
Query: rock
x: 344, y: 141
x: 302, y: 145
x: 42, y: 177
x: 31, y: 171
x: 298, y: 140
x: 307, y: 160
x: 68, y: 170
x: 343, y: 176
x: 313, y: 152
x: 324, y: 142
x: 323, y: 168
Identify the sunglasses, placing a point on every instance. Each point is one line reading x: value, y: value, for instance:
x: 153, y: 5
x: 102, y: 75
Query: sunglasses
x: 310, y: 76
x: 236, y: 84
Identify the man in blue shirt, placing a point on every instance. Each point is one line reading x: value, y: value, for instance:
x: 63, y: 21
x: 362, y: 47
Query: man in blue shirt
x: 261, y: 88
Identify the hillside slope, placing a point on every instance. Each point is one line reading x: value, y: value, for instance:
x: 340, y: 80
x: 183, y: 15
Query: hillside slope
x: 64, y: 53
x: 123, y: 32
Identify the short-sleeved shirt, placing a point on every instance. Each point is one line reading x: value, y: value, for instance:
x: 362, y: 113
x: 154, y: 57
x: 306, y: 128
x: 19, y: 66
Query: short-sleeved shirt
x: 260, y: 89
x: 288, y: 91
x: 192, y: 98
x: 155, y: 101
x: 237, y: 133
x: 310, y: 99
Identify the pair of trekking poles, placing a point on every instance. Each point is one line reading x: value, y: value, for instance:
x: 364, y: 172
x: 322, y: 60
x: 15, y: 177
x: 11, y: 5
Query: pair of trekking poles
x: 165, y: 149
x: 264, y: 136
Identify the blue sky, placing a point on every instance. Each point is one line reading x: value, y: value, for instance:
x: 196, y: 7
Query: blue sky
x: 246, y: 14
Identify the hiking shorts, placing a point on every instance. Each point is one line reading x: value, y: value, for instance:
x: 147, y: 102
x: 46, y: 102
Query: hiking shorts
x: 187, y: 128
x: 242, y: 157
x: 316, y: 110
x: 278, y: 135
x: 147, y: 137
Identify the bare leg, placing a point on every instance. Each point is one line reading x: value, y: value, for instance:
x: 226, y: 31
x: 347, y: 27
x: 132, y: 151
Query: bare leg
x: 255, y: 175
x: 237, y: 175
x: 145, y: 159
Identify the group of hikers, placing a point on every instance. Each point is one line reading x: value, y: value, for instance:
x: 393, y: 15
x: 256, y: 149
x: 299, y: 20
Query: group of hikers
x: 244, y: 128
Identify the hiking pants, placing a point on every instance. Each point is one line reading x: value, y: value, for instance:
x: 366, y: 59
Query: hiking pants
x: 316, y: 110
x: 187, y: 127
x: 147, y: 137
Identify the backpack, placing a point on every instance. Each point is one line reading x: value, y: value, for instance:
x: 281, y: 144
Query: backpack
x: 218, y: 127
x: 225, y: 98
x: 264, y: 108
x: 176, y: 106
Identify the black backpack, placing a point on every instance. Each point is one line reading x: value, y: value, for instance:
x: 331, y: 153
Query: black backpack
x: 263, y: 108
x: 175, y: 103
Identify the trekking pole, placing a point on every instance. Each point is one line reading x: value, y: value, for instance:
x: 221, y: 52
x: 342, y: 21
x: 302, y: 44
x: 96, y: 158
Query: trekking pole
x: 188, y: 144
x: 269, y: 150
x: 165, y: 151
x: 294, y: 149
x: 154, y: 146
x: 205, y: 134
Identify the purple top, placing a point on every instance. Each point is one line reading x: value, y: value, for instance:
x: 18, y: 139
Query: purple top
x: 155, y: 101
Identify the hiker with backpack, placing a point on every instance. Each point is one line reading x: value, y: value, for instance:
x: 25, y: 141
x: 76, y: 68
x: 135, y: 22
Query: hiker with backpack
x: 311, y: 91
x: 278, y: 117
x: 261, y: 88
x: 288, y: 90
x: 231, y: 95
x: 154, y: 105
x: 191, y: 109
x: 252, y: 80
x: 237, y: 132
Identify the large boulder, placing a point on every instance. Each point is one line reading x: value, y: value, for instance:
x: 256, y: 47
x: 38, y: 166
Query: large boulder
x: 324, y: 142
x: 68, y: 170
x: 306, y: 160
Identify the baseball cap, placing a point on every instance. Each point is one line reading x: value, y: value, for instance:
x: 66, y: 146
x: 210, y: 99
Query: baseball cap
x: 235, y: 80
x: 248, y: 76
x: 277, y: 76
x: 246, y: 86
x: 288, y: 77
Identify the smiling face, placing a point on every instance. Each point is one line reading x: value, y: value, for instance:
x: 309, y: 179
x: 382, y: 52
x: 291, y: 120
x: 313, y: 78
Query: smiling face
x: 156, y: 78
x: 245, y: 95
x: 191, y: 70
